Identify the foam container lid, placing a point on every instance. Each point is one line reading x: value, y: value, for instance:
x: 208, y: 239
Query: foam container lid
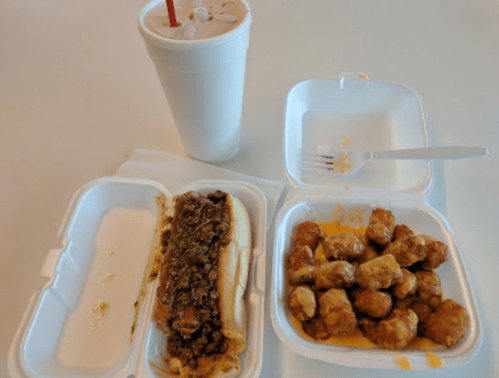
x: 93, y: 318
x: 354, y: 113
x: 357, y: 114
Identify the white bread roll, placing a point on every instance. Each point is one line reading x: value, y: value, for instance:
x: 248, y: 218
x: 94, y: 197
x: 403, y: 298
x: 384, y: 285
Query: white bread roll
x: 233, y: 262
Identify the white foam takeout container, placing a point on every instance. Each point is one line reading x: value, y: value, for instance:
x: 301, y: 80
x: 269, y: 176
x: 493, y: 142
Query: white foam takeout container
x: 109, y: 238
x: 370, y: 116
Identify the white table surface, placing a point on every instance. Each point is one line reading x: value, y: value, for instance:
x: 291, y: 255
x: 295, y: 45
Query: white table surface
x: 78, y: 93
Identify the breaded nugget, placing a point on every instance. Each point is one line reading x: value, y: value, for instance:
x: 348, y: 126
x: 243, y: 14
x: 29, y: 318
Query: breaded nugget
x: 302, y: 303
x: 397, y: 330
x: 373, y: 303
x: 316, y: 328
x: 429, y: 287
x: 436, y: 254
x: 368, y: 254
x: 346, y: 246
x: 423, y: 311
x: 301, y: 265
x: 368, y: 328
x: 334, y: 274
x: 381, y: 226
x: 407, y: 250
x: 407, y: 287
x: 378, y: 273
x: 301, y: 256
x: 448, y: 323
x: 401, y: 231
x: 337, y: 313
x: 308, y: 233
x: 302, y: 276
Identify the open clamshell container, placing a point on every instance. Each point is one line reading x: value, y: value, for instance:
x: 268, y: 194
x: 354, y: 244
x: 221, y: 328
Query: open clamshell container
x: 93, y: 318
x: 354, y: 113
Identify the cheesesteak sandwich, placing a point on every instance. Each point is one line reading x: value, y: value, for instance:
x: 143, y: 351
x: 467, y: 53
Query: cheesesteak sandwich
x: 199, y: 303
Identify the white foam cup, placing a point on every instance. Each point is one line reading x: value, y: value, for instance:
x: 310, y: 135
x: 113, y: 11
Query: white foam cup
x: 203, y: 80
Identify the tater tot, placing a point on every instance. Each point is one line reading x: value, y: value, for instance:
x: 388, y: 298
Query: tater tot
x: 379, y: 273
x: 346, y: 246
x: 335, y: 274
x: 308, y: 233
x: 373, y: 303
x: 381, y: 226
x: 397, y: 330
x: 448, y: 323
x: 337, y: 312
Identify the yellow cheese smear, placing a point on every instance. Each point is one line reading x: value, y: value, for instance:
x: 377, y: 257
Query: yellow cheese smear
x: 403, y: 362
x: 433, y: 360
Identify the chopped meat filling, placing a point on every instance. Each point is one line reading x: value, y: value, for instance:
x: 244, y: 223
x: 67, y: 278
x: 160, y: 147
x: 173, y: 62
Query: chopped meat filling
x: 199, y: 230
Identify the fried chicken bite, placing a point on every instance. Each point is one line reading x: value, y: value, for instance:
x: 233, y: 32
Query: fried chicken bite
x: 301, y: 265
x: 381, y: 226
x: 378, y: 273
x: 346, y: 246
x: 301, y: 255
x: 302, y: 276
x: 423, y: 311
x: 407, y: 286
x: 448, y: 323
x: 302, y: 303
x: 397, y: 330
x: 316, y: 328
x: 335, y: 274
x: 368, y: 254
x: 368, y: 328
x: 337, y: 313
x: 405, y: 303
x: 429, y: 287
x: 436, y: 254
x: 375, y: 304
x: 401, y: 231
x: 407, y: 250
x: 308, y: 233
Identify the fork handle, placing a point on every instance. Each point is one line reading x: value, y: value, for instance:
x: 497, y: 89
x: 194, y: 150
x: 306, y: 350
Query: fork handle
x: 433, y: 153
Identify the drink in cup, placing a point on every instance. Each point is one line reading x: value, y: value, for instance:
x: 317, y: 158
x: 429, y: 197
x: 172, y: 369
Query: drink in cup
x: 201, y: 64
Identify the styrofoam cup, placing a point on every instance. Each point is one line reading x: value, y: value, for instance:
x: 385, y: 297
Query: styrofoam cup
x: 203, y: 81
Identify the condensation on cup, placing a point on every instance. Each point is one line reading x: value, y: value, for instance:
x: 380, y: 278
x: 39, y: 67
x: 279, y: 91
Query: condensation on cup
x: 201, y: 65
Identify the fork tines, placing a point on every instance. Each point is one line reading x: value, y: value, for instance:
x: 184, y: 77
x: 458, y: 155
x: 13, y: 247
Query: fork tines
x: 317, y: 161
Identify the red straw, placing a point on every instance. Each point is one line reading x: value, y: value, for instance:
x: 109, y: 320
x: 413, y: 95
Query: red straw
x: 171, y: 13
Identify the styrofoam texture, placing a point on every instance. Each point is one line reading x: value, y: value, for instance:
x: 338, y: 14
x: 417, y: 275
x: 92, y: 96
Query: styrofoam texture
x: 354, y: 113
x: 108, y: 229
x: 410, y: 211
x: 203, y: 81
x: 56, y: 336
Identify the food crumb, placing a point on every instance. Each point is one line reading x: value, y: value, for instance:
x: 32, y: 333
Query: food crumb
x: 403, y: 362
x: 107, y: 279
x: 433, y: 360
x: 110, y: 252
x: 99, y: 312
x: 346, y: 141
x: 341, y: 163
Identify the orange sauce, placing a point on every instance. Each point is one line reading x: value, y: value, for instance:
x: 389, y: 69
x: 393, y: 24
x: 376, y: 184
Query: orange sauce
x: 433, y: 360
x: 357, y: 339
x: 403, y: 362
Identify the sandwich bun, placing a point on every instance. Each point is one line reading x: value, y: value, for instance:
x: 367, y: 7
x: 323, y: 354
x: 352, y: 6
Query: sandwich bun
x: 232, y: 265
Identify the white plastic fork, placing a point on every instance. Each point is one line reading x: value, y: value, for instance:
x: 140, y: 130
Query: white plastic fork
x: 348, y: 162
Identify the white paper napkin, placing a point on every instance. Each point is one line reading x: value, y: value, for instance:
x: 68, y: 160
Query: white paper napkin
x: 175, y: 171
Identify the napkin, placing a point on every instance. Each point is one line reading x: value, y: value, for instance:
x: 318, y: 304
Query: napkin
x: 175, y: 171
